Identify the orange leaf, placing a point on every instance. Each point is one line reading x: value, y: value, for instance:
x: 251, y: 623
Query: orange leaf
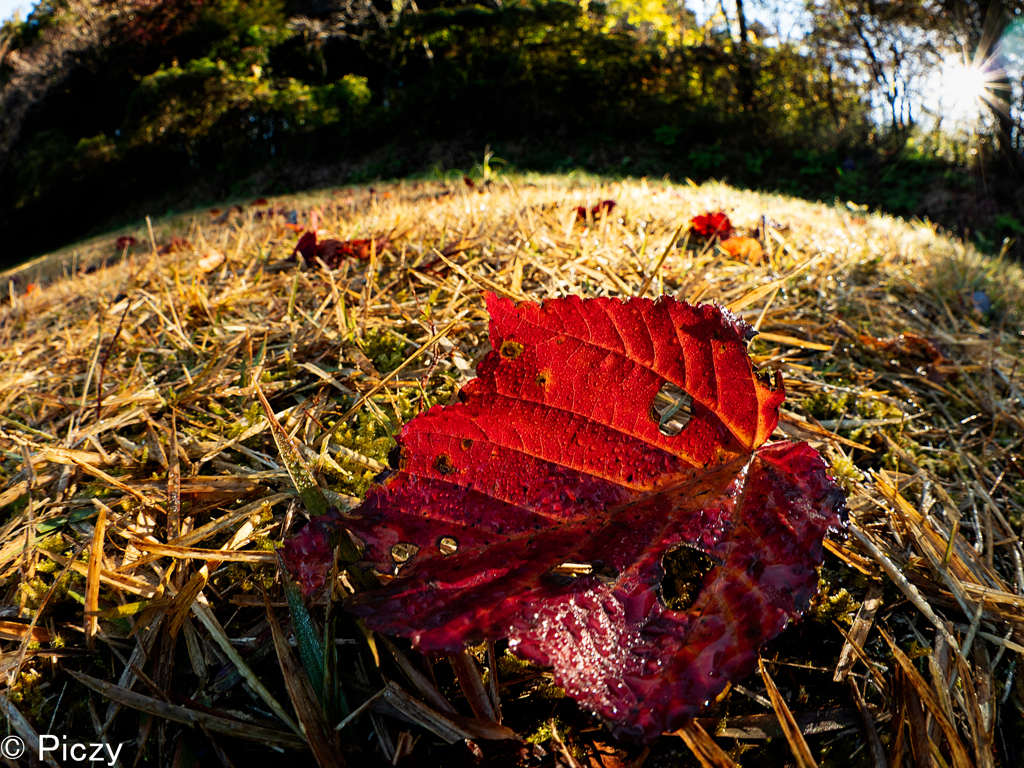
x: 743, y: 248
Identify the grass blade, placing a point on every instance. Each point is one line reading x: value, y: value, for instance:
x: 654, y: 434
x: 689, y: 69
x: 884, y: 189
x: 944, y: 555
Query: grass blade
x: 188, y: 716
x: 300, y: 691
x: 704, y: 748
x: 311, y: 649
x: 797, y: 743
x: 298, y: 470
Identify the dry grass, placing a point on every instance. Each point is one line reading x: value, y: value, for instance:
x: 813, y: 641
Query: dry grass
x: 141, y: 493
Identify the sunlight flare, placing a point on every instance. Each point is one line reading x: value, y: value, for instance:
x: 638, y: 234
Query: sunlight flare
x: 965, y: 86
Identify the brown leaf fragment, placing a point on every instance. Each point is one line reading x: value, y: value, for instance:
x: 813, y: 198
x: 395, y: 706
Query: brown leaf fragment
x: 859, y: 631
x: 395, y: 701
x: 766, y: 726
x: 921, y: 747
x: 420, y: 681
x: 468, y: 674
x: 211, y: 261
x: 745, y: 248
x: 857, y: 652
x: 975, y: 718
x: 15, y: 630
x: 92, y: 581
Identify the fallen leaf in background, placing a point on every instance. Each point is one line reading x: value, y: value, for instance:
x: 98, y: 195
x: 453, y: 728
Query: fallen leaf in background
x: 176, y: 245
x: 914, y: 352
x: 332, y: 252
x: 602, y: 208
x: 712, y: 225
x: 211, y: 261
x: 746, y: 248
x: 540, y: 509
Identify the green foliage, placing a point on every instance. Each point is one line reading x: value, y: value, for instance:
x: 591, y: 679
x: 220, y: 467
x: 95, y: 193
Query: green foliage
x: 705, y: 160
x: 220, y: 89
x: 667, y: 134
x: 211, y: 102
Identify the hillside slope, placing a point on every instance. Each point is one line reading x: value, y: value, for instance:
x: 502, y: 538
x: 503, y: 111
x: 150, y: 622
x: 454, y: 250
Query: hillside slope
x: 134, y: 445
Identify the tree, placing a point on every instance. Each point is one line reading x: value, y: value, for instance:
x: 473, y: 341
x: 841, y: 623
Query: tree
x: 986, y: 25
x: 898, y: 43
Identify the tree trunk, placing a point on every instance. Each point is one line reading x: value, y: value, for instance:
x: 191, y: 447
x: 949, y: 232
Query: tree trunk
x: 745, y: 63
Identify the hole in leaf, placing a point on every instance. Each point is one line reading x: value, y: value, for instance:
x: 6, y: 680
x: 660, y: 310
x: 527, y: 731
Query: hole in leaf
x: 403, y: 550
x: 397, y: 458
x: 542, y: 379
x: 510, y: 350
x: 448, y: 546
x: 685, y: 569
x: 443, y: 464
x: 465, y: 444
x: 768, y: 377
x: 672, y: 409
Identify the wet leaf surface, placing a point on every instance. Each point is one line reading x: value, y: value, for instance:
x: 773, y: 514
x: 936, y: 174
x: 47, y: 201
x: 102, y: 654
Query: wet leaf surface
x: 541, y: 507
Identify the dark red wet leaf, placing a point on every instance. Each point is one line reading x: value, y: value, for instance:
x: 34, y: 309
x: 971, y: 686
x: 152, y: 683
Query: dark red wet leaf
x: 176, y: 245
x: 555, y: 457
x: 712, y: 225
x: 605, y: 206
x: 332, y: 252
x: 306, y: 247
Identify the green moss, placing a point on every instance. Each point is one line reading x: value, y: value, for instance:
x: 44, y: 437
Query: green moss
x: 28, y: 693
x: 830, y: 404
x: 218, y: 409
x: 385, y: 348
x: 253, y: 415
x: 834, y: 603
x: 845, y: 472
x: 373, y: 437
x: 511, y: 667
x: 541, y: 735
x: 876, y: 408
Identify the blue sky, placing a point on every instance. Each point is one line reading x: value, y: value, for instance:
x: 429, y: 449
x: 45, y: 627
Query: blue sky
x: 8, y: 7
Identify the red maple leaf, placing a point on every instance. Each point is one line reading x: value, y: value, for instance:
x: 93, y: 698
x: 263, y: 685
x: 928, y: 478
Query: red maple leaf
x: 712, y: 225
x: 555, y: 457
